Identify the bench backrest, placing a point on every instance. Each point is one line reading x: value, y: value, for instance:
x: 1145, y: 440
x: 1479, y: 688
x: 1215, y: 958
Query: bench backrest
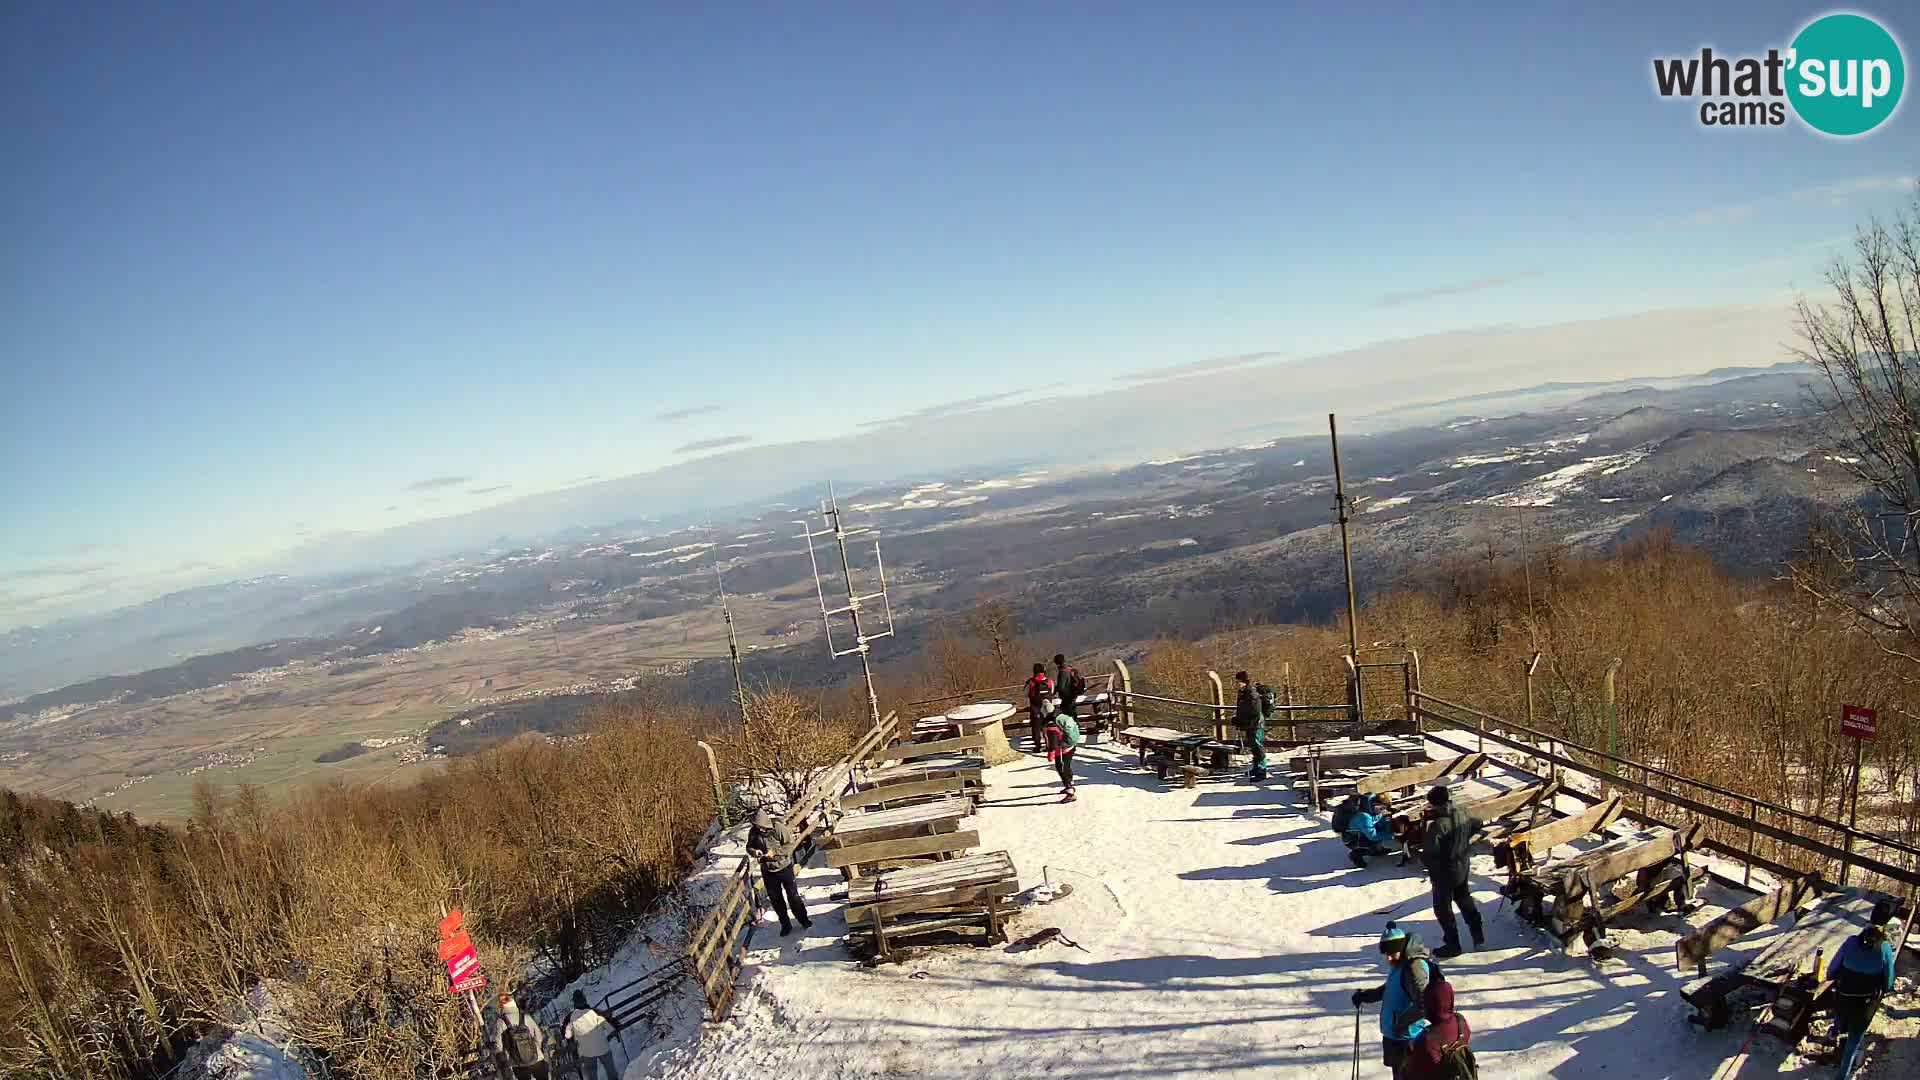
x: 911, y: 847
x: 887, y: 793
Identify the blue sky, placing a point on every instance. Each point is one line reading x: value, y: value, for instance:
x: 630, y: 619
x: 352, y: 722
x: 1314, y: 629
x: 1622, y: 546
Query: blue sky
x: 274, y: 271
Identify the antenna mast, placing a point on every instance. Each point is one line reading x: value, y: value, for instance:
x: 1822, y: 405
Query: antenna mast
x: 733, y: 641
x: 830, y: 511
x: 1346, y: 549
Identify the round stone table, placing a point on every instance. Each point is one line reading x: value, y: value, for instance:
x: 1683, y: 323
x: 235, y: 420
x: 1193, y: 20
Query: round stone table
x: 988, y: 718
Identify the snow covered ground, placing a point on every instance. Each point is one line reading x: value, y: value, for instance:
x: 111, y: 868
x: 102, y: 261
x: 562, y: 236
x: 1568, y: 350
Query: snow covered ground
x: 1220, y: 933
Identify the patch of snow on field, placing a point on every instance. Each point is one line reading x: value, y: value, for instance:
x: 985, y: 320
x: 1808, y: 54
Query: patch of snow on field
x: 1546, y: 490
x: 966, y: 500
x: 1374, y: 506
x: 1219, y: 932
x: 1471, y: 460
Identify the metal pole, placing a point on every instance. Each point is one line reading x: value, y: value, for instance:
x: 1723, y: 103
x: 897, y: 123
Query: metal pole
x: 1753, y: 817
x: 1346, y: 548
x: 1853, y: 813
x: 853, y: 607
x: 733, y: 644
x: 713, y: 771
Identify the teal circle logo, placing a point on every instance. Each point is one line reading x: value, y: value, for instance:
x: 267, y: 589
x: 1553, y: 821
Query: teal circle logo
x: 1847, y: 73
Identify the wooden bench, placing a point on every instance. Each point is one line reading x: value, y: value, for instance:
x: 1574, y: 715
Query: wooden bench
x: 862, y: 859
x: 967, y: 769
x: 919, y: 819
x: 1771, y: 979
x: 938, y: 897
x: 882, y: 796
x: 1579, y: 895
x: 1170, y: 748
x: 1411, y: 824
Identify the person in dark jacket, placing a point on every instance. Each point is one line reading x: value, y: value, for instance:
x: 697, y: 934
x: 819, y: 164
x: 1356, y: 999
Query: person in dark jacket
x: 1039, y: 688
x: 1447, y: 855
x: 1861, y: 971
x: 1068, y: 683
x: 1445, y: 1036
x: 1369, y: 831
x: 1250, y: 716
x: 518, y: 1042
x: 772, y: 843
x: 1402, y: 996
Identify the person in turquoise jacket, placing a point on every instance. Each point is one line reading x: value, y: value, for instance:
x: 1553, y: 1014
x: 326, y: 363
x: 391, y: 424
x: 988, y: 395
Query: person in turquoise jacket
x: 1402, y: 996
x: 1861, y: 971
x: 1370, y: 832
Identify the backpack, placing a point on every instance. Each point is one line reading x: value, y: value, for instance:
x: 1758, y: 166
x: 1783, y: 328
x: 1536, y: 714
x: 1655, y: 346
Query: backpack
x: 1069, y: 729
x: 1073, y: 685
x: 1456, y: 1062
x: 520, y: 1044
x: 1263, y: 694
x: 1343, y: 815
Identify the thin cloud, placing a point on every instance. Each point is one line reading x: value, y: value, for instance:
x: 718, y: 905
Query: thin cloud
x: 1415, y: 296
x: 712, y: 444
x: 191, y: 565
x: 58, y: 570
x: 489, y: 490
x: 1201, y: 367
x: 1838, y: 193
x: 434, y: 482
x: 948, y: 408
x: 687, y: 413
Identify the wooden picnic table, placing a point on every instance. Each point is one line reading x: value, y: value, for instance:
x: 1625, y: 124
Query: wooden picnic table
x: 924, y: 769
x: 921, y: 819
x: 939, y: 896
x: 1178, y: 748
x: 1576, y: 896
x: 1329, y: 768
x: 989, y: 720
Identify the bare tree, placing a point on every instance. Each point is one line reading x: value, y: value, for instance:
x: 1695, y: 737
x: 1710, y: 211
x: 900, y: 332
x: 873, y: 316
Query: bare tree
x: 1866, y: 348
x: 994, y: 624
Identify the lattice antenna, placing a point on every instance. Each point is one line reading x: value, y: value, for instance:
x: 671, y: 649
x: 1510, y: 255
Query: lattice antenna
x: 830, y: 512
x: 733, y: 640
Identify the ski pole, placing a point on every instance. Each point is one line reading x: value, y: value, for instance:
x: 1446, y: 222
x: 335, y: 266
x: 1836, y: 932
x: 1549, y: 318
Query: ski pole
x: 1356, y: 1042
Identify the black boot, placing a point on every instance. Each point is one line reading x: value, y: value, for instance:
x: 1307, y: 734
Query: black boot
x: 1448, y: 951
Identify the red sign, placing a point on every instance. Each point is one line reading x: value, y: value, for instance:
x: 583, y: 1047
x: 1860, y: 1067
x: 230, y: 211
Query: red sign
x: 1859, y: 723
x: 456, y: 948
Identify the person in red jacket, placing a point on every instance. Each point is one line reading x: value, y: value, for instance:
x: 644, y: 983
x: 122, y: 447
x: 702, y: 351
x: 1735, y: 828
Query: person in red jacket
x: 1444, y: 1050
x: 1039, y: 689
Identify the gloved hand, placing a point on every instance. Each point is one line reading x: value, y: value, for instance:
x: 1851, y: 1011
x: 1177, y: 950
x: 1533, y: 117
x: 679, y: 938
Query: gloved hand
x: 1359, y: 998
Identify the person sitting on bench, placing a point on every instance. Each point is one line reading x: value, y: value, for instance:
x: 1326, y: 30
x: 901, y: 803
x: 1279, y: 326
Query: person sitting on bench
x: 1370, y: 832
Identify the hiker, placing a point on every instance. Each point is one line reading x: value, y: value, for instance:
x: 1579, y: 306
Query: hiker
x: 1369, y: 831
x: 518, y: 1041
x: 1253, y: 707
x: 590, y: 1034
x: 1063, y: 738
x: 1402, y: 996
x: 1861, y: 972
x: 1039, y: 689
x: 772, y: 843
x: 1070, y: 684
x: 1444, y: 1051
x: 1447, y: 854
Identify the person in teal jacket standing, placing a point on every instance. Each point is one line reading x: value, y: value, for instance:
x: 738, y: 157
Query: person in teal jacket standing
x: 1402, y: 995
x: 1861, y: 972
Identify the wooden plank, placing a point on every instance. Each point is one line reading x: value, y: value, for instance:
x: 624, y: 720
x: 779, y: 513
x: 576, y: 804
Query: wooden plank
x: 1664, y: 844
x: 895, y: 792
x: 923, y: 770
x: 928, y: 926
x: 864, y: 854
x: 1693, y: 950
x: 971, y: 870
x: 1415, y: 775
x: 910, y: 751
x: 946, y: 898
x: 1495, y: 807
x: 1821, y: 930
x: 1555, y: 833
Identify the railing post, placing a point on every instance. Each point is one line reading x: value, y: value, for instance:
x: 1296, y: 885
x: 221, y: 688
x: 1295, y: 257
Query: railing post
x: 1753, y: 816
x: 1286, y: 698
x: 1354, y: 705
x: 1125, y: 679
x: 1219, y: 705
x: 713, y: 772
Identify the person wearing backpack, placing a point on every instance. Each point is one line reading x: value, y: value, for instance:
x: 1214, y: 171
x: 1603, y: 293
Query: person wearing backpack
x: 1444, y: 1051
x: 1402, y: 996
x: 1070, y: 684
x: 1039, y: 689
x: 1253, y: 707
x: 1862, y: 972
x: 1063, y: 738
x: 1447, y: 854
x: 1369, y: 831
x: 591, y: 1034
x: 517, y: 1039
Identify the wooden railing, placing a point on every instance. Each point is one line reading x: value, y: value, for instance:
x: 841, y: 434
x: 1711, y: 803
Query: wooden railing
x: 1794, y: 829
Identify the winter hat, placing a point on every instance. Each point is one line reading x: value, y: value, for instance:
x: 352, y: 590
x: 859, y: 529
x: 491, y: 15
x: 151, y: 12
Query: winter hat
x: 1439, y: 795
x: 1882, y: 913
x: 762, y: 819
x: 1392, y: 938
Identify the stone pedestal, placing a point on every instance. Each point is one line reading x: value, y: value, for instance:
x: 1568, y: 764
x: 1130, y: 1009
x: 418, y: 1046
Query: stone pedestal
x: 988, y: 719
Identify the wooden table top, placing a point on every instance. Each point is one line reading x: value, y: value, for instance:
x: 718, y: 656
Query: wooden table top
x: 985, y: 868
x: 929, y: 813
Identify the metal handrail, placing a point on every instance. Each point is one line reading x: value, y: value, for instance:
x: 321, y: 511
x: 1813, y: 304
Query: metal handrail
x: 1800, y: 815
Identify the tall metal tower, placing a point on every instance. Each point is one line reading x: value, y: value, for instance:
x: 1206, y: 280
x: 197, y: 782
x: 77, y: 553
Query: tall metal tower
x: 830, y: 511
x: 733, y: 645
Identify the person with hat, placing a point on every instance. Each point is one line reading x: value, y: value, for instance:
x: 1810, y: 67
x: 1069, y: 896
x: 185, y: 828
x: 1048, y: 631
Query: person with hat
x: 771, y: 841
x: 1402, y: 996
x: 1368, y: 831
x: 518, y: 1041
x: 1861, y: 972
x: 1447, y: 855
x: 1039, y: 689
x: 592, y: 1037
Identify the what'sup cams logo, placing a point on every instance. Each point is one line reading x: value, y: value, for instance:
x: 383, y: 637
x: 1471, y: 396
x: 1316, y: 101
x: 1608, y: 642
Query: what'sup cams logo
x: 1842, y: 76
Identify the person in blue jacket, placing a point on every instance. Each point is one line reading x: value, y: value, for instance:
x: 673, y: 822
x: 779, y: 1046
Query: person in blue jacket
x: 1370, y: 832
x: 1402, y: 1010
x: 1861, y: 971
